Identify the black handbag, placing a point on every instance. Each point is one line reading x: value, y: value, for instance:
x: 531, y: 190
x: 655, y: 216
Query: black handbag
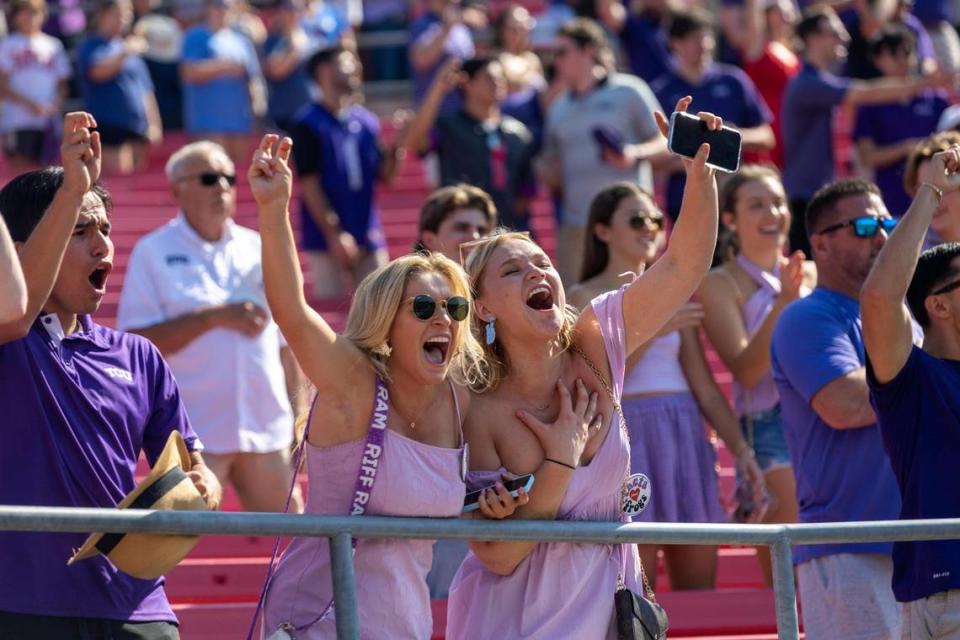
x: 639, y: 618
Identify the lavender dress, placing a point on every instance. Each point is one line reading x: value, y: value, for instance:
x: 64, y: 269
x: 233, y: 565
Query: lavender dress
x: 560, y: 590
x: 415, y: 479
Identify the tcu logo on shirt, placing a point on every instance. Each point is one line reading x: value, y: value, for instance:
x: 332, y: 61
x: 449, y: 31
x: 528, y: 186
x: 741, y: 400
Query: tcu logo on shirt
x: 119, y: 374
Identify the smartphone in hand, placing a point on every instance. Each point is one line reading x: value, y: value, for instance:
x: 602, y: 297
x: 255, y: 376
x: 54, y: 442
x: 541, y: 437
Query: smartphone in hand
x: 688, y: 132
x: 608, y: 138
x: 472, y: 501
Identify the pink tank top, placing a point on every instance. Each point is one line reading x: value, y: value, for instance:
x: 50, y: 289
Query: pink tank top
x: 762, y: 396
x: 414, y: 479
x: 559, y: 590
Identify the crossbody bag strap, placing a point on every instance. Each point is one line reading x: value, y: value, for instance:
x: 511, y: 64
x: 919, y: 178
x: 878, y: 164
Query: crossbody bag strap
x: 623, y: 425
x: 363, y: 487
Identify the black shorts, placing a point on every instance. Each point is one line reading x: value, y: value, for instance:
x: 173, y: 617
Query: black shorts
x: 112, y: 136
x: 21, y: 626
x: 25, y: 143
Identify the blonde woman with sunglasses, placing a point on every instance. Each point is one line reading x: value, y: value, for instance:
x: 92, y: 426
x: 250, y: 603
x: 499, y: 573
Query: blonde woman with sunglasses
x: 384, y: 433
x: 535, y: 346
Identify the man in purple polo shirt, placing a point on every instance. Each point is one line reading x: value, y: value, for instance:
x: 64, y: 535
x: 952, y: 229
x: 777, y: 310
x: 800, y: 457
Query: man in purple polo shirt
x: 808, y: 107
x: 80, y: 401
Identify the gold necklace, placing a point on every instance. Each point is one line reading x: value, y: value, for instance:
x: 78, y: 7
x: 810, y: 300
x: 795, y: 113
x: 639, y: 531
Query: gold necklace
x: 412, y: 423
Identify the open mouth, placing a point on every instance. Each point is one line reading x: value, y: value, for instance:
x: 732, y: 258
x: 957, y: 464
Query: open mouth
x: 435, y: 349
x: 540, y: 298
x: 98, y: 278
x: 772, y: 229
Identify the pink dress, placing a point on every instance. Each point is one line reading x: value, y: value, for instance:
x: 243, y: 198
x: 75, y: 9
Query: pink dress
x: 560, y: 590
x: 414, y: 479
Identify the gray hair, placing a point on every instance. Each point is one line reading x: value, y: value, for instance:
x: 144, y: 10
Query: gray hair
x: 185, y: 153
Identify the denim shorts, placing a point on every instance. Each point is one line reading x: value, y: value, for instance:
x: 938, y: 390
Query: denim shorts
x: 769, y: 441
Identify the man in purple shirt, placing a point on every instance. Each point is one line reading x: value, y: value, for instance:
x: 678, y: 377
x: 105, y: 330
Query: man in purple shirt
x: 80, y: 401
x: 808, y: 108
x: 721, y: 89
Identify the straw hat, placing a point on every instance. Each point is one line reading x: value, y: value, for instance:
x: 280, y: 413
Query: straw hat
x: 166, y: 488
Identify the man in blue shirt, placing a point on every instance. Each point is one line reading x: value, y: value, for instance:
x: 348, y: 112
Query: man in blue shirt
x: 916, y: 395
x: 218, y: 68
x: 885, y: 134
x: 339, y: 160
x: 285, y: 54
x: 842, y: 472
x: 808, y: 109
x: 79, y: 403
x: 721, y: 89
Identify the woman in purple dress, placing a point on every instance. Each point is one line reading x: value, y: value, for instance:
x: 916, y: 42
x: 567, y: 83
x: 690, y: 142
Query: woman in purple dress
x: 535, y: 345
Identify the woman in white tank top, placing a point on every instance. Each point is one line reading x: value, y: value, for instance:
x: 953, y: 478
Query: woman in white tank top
x: 668, y: 386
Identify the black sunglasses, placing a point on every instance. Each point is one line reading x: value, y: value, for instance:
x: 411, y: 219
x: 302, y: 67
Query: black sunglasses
x: 946, y: 288
x: 648, y: 222
x: 210, y: 178
x: 424, y: 307
x: 864, y: 226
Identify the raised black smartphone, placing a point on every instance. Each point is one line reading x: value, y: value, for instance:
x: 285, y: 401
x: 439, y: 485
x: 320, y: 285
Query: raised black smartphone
x: 688, y: 132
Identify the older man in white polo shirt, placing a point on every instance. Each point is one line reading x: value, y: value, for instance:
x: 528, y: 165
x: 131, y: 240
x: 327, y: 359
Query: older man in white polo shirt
x: 194, y: 287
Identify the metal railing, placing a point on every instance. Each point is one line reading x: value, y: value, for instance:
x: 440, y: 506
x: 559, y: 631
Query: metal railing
x: 341, y: 529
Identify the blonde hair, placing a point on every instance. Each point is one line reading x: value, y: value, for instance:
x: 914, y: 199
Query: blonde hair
x: 490, y: 370
x: 378, y: 299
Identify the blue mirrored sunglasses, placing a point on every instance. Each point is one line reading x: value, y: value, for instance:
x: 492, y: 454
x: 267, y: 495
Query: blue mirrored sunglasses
x: 864, y: 226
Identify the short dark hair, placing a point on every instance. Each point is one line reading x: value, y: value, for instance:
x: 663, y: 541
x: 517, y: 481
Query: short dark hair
x: 585, y: 32
x: 825, y: 200
x: 933, y: 269
x: 892, y: 39
x: 812, y: 20
x: 25, y: 199
x: 441, y: 204
x: 323, y: 57
x: 687, y: 21
x: 472, y: 66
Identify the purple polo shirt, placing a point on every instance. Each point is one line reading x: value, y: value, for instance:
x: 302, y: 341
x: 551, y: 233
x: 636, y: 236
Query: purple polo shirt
x: 76, y: 414
x: 892, y: 123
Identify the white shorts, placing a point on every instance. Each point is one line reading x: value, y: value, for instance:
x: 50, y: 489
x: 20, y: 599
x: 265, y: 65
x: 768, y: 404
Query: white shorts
x: 935, y: 617
x: 847, y: 596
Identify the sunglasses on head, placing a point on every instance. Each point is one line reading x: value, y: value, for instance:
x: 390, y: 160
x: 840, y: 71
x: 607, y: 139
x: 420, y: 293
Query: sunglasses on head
x: 425, y: 307
x: 210, y: 178
x: 864, y: 226
x: 646, y: 222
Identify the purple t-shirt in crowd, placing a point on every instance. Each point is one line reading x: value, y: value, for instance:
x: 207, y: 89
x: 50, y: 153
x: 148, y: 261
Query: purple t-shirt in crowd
x: 723, y: 90
x: 919, y: 417
x: 459, y: 44
x: 932, y: 11
x: 842, y: 474
x: 807, y: 122
x: 892, y: 123
x: 645, y: 42
x: 76, y: 414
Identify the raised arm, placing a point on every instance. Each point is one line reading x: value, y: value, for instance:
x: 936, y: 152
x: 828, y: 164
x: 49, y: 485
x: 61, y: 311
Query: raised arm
x: 329, y: 361
x: 887, y: 330
x: 42, y: 253
x: 417, y: 136
x: 654, y: 297
x: 13, y: 290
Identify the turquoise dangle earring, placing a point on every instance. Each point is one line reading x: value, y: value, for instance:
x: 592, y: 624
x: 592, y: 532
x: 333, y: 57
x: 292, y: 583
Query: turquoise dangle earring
x: 491, y: 333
